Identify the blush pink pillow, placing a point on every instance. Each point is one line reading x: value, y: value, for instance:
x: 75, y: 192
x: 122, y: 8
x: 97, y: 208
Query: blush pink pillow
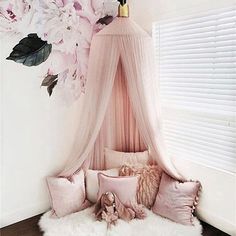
x: 176, y: 200
x: 115, y: 159
x: 124, y: 187
x: 92, y: 186
x: 67, y: 195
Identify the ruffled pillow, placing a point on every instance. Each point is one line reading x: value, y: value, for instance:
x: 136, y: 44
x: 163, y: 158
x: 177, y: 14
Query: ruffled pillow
x: 67, y: 195
x: 148, y: 183
x: 177, y: 200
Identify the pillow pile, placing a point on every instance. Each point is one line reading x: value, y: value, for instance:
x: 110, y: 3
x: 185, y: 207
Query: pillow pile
x: 135, y: 182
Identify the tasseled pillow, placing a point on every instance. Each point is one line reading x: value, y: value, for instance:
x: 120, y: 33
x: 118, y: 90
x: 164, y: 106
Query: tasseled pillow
x: 148, y: 183
x: 177, y: 200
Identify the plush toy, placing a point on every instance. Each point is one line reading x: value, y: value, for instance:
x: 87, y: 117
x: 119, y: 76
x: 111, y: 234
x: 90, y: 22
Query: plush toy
x: 109, y: 208
x: 110, y: 215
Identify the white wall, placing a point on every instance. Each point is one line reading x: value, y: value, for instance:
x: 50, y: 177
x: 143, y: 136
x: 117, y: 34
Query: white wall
x: 218, y: 200
x: 36, y: 134
x: 145, y: 12
x: 37, y: 131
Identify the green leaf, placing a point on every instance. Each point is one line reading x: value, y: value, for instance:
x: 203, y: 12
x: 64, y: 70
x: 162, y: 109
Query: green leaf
x: 106, y: 20
x: 51, y: 87
x: 31, y: 51
x: 48, y: 80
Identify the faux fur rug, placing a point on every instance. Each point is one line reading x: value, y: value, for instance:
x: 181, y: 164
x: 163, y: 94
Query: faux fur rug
x: 83, y: 224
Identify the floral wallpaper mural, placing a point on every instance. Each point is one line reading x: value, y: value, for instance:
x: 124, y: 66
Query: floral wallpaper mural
x: 57, y: 33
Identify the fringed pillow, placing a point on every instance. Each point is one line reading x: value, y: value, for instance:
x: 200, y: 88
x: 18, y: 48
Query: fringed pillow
x: 148, y: 182
x: 177, y: 200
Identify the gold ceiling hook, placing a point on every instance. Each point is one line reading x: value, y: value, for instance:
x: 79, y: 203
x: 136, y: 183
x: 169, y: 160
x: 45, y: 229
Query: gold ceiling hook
x: 123, y: 10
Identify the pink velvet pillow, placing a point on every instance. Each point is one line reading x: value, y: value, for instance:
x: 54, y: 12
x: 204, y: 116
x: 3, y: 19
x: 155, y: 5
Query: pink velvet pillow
x: 176, y: 200
x: 124, y: 187
x: 67, y: 195
x: 92, y: 186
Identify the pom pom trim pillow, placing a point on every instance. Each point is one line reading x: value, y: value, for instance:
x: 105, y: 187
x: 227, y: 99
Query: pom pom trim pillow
x: 67, y: 195
x: 177, y: 200
x: 115, y: 159
x: 124, y: 187
x: 149, y: 177
x: 92, y: 186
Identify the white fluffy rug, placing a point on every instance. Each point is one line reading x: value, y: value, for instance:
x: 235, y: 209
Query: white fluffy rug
x: 83, y: 224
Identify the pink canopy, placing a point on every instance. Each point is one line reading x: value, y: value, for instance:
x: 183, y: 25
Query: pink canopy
x: 120, y: 109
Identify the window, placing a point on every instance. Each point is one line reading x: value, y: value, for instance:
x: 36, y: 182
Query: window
x: 196, y: 59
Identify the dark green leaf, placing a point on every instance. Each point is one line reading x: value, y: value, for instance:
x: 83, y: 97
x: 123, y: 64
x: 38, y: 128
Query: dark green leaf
x: 48, y: 80
x: 106, y: 20
x: 51, y: 87
x: 31, y: 51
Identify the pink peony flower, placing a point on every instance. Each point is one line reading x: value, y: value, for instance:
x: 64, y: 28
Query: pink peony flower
x: 58, y: 62
x: 72, y: 83
x: 59, y: 23
x: 68, y: 25
x: 15, y: 16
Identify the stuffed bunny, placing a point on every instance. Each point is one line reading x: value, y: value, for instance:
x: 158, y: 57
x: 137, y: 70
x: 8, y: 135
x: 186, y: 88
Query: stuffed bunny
x: 109, y: 208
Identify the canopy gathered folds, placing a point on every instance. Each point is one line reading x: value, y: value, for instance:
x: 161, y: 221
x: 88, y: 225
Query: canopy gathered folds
x: 121, y: 108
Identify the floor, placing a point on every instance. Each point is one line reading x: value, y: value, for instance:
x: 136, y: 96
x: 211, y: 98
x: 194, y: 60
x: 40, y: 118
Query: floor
x: 27, y: 227
x: 30, y: 227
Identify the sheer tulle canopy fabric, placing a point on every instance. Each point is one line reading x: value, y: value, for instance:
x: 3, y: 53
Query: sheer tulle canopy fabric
x: 120, y: 109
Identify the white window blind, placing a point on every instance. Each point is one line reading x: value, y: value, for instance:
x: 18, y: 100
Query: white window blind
x: 196, y: 60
